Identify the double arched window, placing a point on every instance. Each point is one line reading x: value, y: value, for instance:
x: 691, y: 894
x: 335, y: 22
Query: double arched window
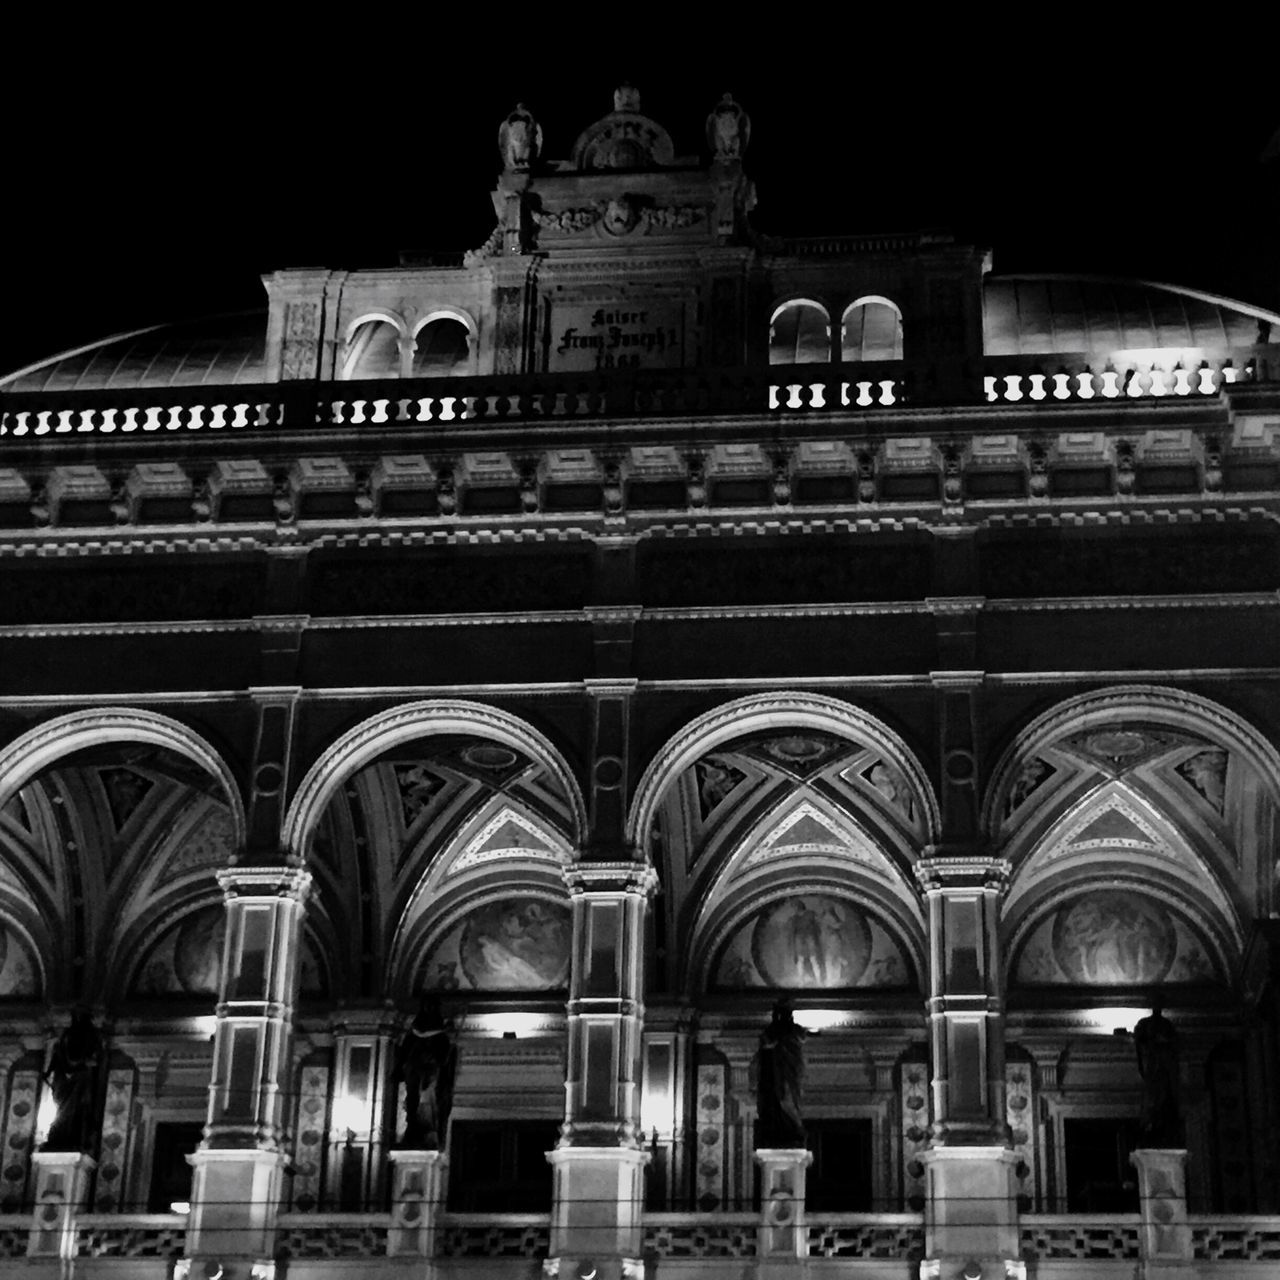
x: 442, y: 345
x: 800, y: 332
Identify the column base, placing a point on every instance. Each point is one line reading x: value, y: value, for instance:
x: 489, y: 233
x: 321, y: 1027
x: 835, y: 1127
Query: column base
x: 235, y: 1196
x: 971, y: 1215
x: 597, y: 1214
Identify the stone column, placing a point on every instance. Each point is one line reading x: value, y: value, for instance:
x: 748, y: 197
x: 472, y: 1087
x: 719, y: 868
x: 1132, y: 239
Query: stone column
x: 1162, y: 1201
x: 599, y: 1162
x: 418, y: 1181
x: 62, y: 1191
x: 239, y: 1167
x: 782, y: 1241
x: 970, y: 1205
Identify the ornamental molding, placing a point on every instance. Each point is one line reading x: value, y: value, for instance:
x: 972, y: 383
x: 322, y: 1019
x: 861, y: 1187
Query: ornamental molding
x: 938, y: 874
x: 39, y: 748
x: 1103, y: 708
x: 776, y: 710
x: 389, y: 729
x: 264, y: 882
x: 629, y: 878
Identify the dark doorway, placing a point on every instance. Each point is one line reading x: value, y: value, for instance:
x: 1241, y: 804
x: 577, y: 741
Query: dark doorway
x: 1100, y: 1178
x: 500, y: 1166
x: 840, y: 1177
x: 170, y: 1172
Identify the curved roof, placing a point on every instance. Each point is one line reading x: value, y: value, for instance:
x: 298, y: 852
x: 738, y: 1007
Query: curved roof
x: 216, y: 350
x: 1044, y: 314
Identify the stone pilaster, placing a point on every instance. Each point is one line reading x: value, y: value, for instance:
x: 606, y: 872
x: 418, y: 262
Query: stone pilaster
x: 418, y: 1180
x: 1162, y: 1201
x: 62, y: 1192
x: 782, y: 1241
x: 599, y: 1162
x: 970, y: 1204
x: 362, y: 1118
x: 239, y: 1167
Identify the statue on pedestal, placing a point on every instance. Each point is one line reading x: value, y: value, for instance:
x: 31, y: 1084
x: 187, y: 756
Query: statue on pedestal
x: 728, y: 130
x: 780, y: 1081
x: 1156, y: 1040
x: 426, y: 1061
x: 73, y: 1076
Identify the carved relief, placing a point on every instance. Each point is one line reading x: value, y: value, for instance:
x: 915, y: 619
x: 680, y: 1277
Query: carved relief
x: 1034, y: 774
x: 514, y: 944
x: 418, y: 786
x: 710, y: 1108
x: 508, y: 327
x: 310, y: 1129
x: 301, y: 341
x: 1021, y: 1119
x: 813, y: 941
x: 914, y: 1086
x: 117, y: 1128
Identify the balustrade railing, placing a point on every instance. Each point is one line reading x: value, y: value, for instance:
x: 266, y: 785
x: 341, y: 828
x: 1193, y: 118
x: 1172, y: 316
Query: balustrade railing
x: 1221, y: 1238
x: 1046, y: 1236
x: 147, y: 1235
x: 481, y: 401
x: 700, y: 1235
x: 493, y: 1235
x: 898, y: 1236
x: 332, y: 1235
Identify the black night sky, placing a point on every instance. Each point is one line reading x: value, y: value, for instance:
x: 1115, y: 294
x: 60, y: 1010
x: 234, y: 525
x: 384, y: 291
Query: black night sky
x: 152, y: 179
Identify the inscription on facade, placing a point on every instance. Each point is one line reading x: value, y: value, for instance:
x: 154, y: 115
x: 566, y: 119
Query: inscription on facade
x: 625, y: 336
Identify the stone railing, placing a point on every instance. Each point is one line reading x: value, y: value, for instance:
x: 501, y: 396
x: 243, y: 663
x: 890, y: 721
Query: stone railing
x: 1043, y: 1236
x: 493, y: 1235
x: 1236, y: 1238
x: 898, y: 1236
x: 700, y: 1235
x: 15, y: 1232
x: 332, y: 1235
x: 647, y: 394
x: 134, y: 1235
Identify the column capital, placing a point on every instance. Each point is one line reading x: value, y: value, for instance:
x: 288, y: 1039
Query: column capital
x: 264, y: 882
x: 610, y: 877
x: 970, y: 871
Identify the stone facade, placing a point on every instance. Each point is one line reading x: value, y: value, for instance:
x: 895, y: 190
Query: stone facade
x: 606, y: 633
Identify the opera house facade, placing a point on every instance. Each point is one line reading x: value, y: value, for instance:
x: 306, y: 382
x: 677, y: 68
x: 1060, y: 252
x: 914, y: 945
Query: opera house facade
x: 650, y: 750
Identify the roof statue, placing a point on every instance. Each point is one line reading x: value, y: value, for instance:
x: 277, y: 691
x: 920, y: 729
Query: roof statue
x: 520, y: 139
x: 728, y: 129
x: 626, y: 97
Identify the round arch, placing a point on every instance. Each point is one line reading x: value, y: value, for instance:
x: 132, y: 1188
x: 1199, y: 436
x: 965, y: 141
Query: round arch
x: 39, y: 748
x: 1101, y: 708
x: 368, y: 740
x: 447, y: 313
x: 771, y: 711
x: 376, y: 315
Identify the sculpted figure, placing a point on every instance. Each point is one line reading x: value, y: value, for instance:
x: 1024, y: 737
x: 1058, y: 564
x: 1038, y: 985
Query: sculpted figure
x: 728, y: 129
x: 426, y: 1061
x: 73, y: 1076
x: 520, y: 139
x: 1156, y: 1040
x: 780, y: 1081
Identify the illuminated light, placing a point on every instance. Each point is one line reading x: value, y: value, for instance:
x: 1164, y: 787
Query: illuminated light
x: 204, y: 1026
x: 1013, y: 386
x: 46, y: 1114
x: 513, y: 1024
x: 1108, y: 1021
x: 793, y: 396
x: 820, y: 1019
x: 180, y: 1206
x: 350, y: 1114
x: 1229, y: 373
x: 844, y: 395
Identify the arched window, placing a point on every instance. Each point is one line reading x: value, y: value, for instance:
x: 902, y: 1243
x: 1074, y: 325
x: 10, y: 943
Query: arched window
x: 442, y: 347
x: 871, y: 330
x: 372, y: 351
x: 800, y: 333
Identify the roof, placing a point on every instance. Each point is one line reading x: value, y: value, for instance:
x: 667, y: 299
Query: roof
x: 1043, y: 314
x: 215, y: 351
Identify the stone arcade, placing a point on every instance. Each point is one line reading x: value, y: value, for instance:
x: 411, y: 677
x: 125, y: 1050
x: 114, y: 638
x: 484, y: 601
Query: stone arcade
x: 609, y: 633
